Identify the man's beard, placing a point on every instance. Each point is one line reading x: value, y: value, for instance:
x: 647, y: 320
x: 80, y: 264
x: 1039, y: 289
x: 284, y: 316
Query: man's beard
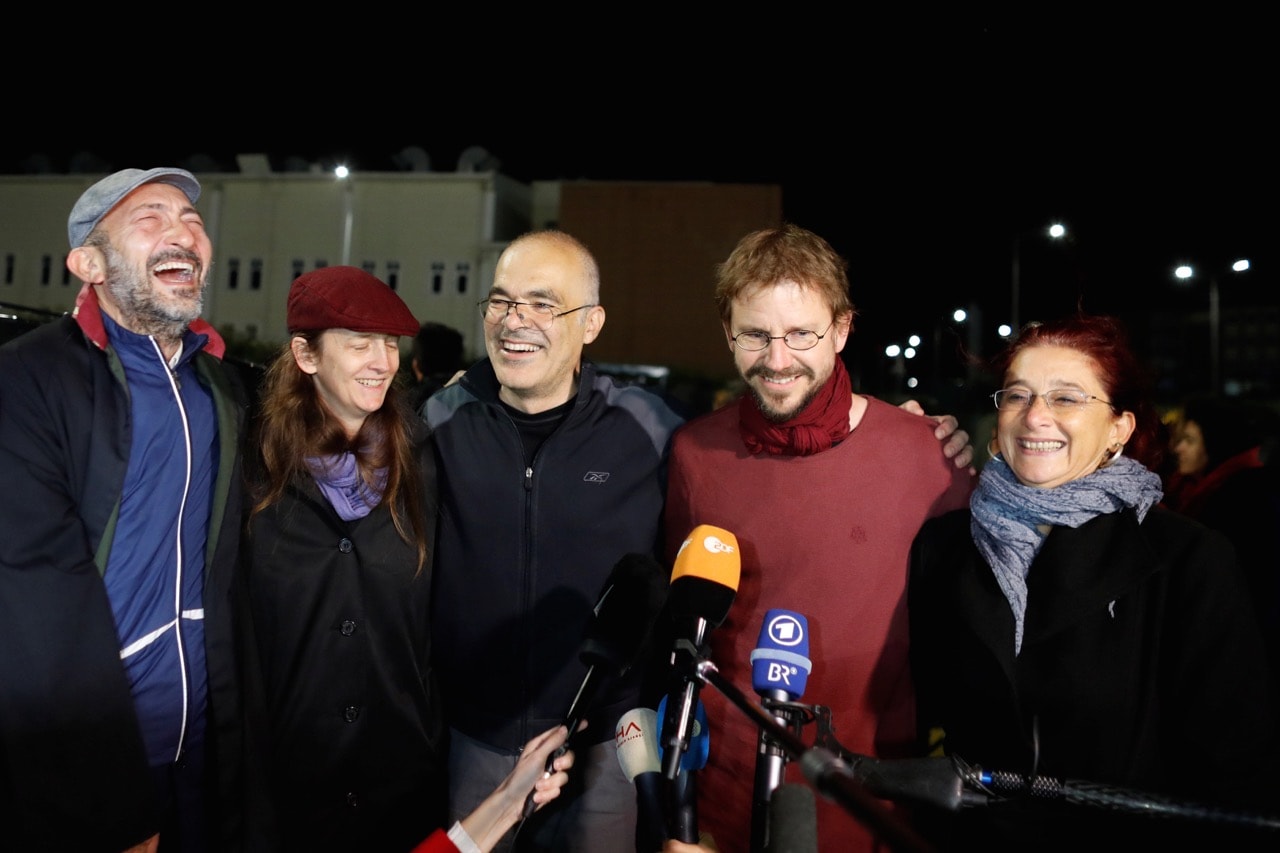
x: 778, y: 416
x: 143, y: 309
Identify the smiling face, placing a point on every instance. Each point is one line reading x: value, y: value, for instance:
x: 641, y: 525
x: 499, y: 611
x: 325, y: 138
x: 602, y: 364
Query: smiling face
x: 152, y: 255
x: 537, y: 368
x: 782, y: 380
x: 1047, y: 447
x: 352, y: 371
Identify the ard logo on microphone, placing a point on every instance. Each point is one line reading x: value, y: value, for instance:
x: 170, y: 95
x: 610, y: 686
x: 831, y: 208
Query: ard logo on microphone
x: 785, y: 631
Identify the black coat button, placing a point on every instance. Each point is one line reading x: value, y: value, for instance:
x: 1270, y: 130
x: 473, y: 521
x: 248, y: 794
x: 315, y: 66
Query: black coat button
x: 348, y: 627
x: 345, y: 546
x: 351, y: 713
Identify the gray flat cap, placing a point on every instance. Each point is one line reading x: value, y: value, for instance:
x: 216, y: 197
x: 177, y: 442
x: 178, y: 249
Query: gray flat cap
x: 97, y: 201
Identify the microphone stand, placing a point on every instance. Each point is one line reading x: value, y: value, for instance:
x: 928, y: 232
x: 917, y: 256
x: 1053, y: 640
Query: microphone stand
x: 828, y: 774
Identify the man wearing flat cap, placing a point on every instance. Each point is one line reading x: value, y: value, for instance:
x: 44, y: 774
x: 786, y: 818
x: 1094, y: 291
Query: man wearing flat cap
x: 119, y: 526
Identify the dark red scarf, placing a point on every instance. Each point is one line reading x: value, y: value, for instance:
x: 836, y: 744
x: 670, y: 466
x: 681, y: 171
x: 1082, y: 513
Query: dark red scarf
x: 820, y: 425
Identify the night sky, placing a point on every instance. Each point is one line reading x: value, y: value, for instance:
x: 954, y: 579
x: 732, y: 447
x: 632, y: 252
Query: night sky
x: 920, y: 157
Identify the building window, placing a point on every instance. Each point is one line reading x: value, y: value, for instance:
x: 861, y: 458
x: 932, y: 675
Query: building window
x: 46, y: 268
x: 233, y: 273
x: 255, y: 274
x: 437, y: 277
x: 464, y: 272
x: 393, y: 274
x: 8, y: 268
x: 369, y: 267
x: 298, y: 267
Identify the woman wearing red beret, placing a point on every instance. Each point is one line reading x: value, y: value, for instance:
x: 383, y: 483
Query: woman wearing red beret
x: 339, y: 544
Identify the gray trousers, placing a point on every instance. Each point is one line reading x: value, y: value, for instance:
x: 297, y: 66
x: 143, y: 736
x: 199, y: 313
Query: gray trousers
x: 595, y: 812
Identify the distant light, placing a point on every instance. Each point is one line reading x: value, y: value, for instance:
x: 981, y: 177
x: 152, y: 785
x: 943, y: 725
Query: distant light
x: 912, y: 382
x: 341, y: 172
x: 1185, y: 271
x: 1057, y: 230
x: 1004, y: 330
x: 914, y: 340
x: 959, y: 315
x: 1240, y: 265
x: 893, y: 350
x: 909, y: 352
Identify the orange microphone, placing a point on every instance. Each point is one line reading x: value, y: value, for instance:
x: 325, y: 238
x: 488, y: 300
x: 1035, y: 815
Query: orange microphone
x: 704, y: 582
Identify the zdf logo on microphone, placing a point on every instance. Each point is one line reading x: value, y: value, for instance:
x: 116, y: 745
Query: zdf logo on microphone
x: 715, y: 546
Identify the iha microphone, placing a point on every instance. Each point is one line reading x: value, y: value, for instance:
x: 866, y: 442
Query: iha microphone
x: 780, y: 668
x: 704, y: 582
x: 637, y: 743
x: 622, y: 620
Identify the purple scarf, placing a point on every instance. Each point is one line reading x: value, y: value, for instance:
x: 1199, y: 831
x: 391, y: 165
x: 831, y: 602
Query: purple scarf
x: 340, y: 482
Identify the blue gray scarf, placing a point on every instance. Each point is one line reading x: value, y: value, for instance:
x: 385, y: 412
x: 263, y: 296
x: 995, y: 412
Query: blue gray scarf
x: 1005, y: 515
x: 340, y: 482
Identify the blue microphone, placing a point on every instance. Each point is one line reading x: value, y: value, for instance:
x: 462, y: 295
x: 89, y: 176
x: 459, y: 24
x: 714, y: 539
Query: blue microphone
x: 780, y: 669
x: 682, y: 791
x: 695, y: 757
x: 780, y: 664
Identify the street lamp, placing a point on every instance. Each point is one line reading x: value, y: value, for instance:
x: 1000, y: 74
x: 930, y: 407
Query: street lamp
x: 1185, y: 272
x: 1056, y: 231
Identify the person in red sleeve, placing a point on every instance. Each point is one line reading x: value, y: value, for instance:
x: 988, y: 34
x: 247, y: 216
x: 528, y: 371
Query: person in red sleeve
x: 479, y: 831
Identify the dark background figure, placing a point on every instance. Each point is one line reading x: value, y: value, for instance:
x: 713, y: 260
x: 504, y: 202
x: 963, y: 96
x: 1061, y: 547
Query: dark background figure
x: 436, y: 356
x: 1227, y: 447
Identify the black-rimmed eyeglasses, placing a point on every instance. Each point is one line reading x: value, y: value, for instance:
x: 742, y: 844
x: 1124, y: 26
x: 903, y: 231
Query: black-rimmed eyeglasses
x: 1057, y: 399
x: 540, y: 314
x: 800, y: 339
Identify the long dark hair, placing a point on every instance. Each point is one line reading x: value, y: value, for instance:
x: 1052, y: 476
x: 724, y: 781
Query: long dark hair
x: 293, y: 424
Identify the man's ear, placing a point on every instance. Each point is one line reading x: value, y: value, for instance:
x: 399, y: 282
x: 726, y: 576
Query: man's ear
x: 88, y: 264
x: 595, y: 322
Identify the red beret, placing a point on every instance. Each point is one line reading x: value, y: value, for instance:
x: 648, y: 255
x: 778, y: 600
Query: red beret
x: 347, y: 298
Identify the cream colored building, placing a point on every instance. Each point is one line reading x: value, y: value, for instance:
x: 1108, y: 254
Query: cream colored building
x: 434, y: 237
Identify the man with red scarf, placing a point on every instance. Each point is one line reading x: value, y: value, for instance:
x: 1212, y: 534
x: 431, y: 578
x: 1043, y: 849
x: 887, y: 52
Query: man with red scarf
x: 825, y: 490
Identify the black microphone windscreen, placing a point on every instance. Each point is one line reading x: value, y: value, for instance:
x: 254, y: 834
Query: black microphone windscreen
x: 625, y: 613
x: 696, y: 598
x: 793, y: 820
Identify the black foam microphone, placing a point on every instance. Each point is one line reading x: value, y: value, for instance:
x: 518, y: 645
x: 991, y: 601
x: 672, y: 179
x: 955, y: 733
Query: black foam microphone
x: 793, y: 820
x: 621, y: 623
x: 780, y: 669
